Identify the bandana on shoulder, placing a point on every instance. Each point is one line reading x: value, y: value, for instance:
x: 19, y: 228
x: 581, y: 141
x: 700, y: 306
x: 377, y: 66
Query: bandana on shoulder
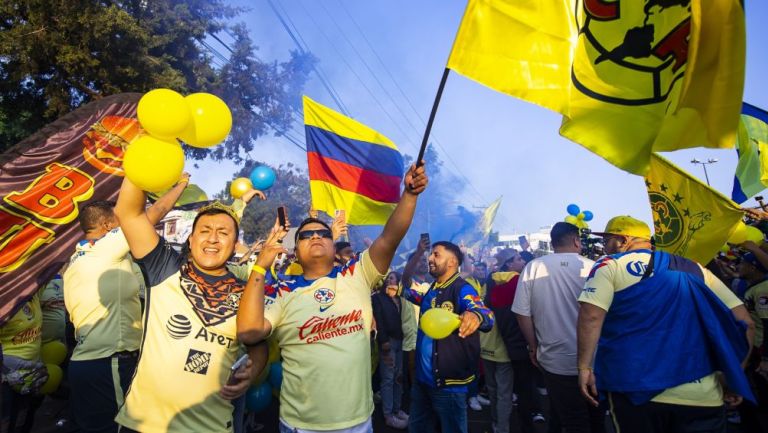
x: 214, y: 302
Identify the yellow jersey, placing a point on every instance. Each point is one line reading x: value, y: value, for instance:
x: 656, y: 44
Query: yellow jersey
x: 21, y: 335
x: 101, y: 293
x: 323, y: 327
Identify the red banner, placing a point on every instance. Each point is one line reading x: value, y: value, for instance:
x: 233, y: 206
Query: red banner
x: 45, y: 179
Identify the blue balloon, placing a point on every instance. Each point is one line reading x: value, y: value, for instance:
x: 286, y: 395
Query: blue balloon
x: 572, y: 208
x: 258, y: 397
x: 263, y: 177
x: 276, y: 374
x: 588, y: 215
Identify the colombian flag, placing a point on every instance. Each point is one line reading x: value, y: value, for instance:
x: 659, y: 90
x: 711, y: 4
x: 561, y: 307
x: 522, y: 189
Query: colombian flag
x: 752, y: 144
x: 351, y: 166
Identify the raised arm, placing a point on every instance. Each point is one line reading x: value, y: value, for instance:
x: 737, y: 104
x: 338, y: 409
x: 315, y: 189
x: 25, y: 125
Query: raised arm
x: 138, y: 229
x: 252, y: 326
x: 413, y: 262
x: 383, y: 248
x: 165, y: 203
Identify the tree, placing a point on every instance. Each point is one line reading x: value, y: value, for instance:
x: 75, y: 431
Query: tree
x: 291, y: 189
x: 57, y: 56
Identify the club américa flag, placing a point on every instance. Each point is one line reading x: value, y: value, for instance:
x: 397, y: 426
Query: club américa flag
x: 752, y: 145
x: 351, y: 166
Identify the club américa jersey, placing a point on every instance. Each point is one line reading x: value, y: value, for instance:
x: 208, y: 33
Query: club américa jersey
x: 188, y: 347
x: 323, y: 328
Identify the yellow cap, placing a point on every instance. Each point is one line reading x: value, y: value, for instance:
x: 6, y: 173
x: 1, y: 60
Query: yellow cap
x: 625, y: 225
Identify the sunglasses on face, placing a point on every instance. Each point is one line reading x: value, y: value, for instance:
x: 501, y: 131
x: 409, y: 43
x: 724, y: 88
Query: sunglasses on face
x: 307, y: 234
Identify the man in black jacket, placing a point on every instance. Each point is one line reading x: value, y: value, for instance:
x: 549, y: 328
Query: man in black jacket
x: 445, y: 367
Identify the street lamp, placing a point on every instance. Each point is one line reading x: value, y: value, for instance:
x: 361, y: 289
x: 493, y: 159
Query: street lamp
x: 704, y: 165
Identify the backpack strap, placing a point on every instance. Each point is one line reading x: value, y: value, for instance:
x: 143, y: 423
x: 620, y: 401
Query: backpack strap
x: 649, y: 268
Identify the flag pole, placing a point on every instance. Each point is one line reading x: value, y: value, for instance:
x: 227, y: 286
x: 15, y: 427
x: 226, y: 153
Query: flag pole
x: 432, y: 117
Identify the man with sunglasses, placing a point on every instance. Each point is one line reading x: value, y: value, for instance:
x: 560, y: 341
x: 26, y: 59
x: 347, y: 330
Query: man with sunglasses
x: 665, y: 326
x: 322, y: 320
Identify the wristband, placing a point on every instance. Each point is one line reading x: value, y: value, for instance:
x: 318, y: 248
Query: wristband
x: 585, y: 368
x: 259, y: 270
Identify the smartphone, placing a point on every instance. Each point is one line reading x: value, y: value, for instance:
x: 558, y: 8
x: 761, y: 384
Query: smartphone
x: 282, y: 216
x: 524, y: 243
x: 240, y: 363
x: 424, y: 237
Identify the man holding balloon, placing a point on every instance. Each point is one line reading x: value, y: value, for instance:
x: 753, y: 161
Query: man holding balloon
x: 322, y: 319
x: 446, y: 359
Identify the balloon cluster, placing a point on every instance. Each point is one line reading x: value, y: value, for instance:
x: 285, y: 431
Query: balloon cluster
x: 267, y: 383
x: 155, y: 162
x: 53, y: 354
x: 261, y: 178
x: 578, y: 217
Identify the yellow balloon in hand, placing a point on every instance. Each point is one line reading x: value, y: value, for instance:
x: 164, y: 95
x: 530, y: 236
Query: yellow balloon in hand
x: 439, y: 323
x: 54, y: 379
x: 240, y: 186
x: 152, y: 164
x: 211, y: 120
x: 739, y: 235
x: 163, y: 113
x: 53, y: 352
x: 754, y: 234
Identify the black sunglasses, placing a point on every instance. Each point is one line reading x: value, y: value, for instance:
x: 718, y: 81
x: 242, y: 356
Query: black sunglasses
x: 307, y: 234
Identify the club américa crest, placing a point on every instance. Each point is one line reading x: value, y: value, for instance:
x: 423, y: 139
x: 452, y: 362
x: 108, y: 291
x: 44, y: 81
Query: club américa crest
x: 631, y: 52
x: 667, y: 221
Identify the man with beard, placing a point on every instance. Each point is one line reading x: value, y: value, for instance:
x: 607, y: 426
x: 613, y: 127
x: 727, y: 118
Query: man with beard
x: 445, y: 368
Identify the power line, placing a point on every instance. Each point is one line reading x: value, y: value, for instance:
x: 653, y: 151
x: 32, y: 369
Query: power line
x: 410, y: 104
x: 362, y: 82
x: 315, y: 68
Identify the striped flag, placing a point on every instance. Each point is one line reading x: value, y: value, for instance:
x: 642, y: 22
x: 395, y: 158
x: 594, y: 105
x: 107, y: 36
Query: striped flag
x: 351, y: 166
x: 752, y: 145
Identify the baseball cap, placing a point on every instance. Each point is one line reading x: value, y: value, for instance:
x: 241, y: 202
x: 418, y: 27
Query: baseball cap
x: 625, y: 225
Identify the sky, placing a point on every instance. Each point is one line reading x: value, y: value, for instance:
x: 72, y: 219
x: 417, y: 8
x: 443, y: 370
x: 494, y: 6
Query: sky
x: 384, y: 59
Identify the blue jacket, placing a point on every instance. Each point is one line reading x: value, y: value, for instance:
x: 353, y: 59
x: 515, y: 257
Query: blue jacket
x: 667, y: 330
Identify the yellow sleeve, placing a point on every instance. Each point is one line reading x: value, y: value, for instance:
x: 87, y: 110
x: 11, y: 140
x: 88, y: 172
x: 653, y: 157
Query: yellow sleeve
x: 113, y: 245
x: 721, y: 290
x: 599, y: 287
x: 369, y: 275
x: 273, y: 311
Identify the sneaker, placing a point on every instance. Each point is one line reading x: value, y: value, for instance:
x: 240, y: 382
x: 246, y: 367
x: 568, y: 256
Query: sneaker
x: 538, y: 418
x: 395, y: 422
x: 402, y: 415
x: 483, y: 401
x: 474, y: 404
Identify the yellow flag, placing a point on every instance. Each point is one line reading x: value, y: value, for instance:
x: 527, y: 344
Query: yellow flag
x: 629, y: 77
x: 689, y: 218
x: 489, y: 214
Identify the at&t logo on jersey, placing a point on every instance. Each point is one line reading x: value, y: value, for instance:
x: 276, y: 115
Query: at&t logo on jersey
x: 178, y: 326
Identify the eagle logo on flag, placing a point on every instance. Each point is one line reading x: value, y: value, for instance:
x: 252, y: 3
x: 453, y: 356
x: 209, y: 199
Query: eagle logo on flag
x: 642, y: 46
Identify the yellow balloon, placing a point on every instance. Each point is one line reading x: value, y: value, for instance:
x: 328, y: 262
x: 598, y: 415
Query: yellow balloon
x: 754, y: 234
x: 240, y: 186
x: 581, y: 216
x: 439, y: 323
x: 211, y: 120
x: 725, y: 249
x: 53, y: 352
x: 54, y: 379
x: 163, y: 113
x: 152, y: 164
x: 258, y: 380
x: 274, y: 350
x: 739, y: 235
x: 570, y: 219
